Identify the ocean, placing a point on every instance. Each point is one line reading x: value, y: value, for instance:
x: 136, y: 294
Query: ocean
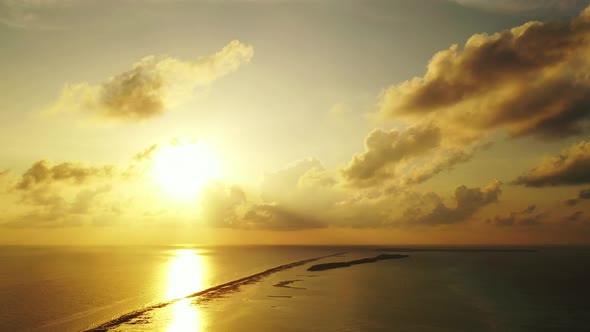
x: 269, y: 288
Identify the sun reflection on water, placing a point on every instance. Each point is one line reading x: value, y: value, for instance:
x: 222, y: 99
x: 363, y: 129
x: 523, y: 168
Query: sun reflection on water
x: 186, y: 274
x: 185, y: 317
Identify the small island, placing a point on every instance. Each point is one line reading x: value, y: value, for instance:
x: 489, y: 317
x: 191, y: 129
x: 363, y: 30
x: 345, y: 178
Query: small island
x: 335, y: 265
x: 451, y: 249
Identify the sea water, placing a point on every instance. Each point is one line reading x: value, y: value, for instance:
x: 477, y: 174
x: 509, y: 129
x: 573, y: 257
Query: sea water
x: 170, y: 289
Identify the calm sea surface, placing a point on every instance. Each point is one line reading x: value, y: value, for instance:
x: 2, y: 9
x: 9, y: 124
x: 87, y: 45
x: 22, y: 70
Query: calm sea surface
x: 77, y: 288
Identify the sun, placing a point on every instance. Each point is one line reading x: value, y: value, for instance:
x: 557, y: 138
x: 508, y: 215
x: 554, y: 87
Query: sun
x: 183, y: 168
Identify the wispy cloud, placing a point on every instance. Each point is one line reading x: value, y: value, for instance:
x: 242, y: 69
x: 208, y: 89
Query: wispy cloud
x: 152, y: 87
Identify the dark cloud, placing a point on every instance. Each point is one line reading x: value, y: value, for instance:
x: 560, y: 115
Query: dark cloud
x: 530, y: 80
x: 43, y: 172
x: 385, y: 149
x: 468, y: 202
x: 577, y: 218
x: 583, y: 195
x: 571, y: 167
x: 574, y: 217
x: 527, y: 217
x: 152, y: 86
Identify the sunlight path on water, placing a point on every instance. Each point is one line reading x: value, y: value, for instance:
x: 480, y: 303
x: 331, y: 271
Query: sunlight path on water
x: 186, y: 274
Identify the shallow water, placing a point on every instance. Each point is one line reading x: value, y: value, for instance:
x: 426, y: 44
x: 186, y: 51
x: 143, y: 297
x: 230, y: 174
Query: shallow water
x: 62, y: 289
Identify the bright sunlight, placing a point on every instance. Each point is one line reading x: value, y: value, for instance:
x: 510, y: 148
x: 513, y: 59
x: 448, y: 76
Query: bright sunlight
x: 182, y: 169
x: 186, y: 271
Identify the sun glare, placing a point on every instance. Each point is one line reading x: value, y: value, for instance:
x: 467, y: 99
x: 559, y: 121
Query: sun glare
x: 182, y: 169
x: 186, y: 275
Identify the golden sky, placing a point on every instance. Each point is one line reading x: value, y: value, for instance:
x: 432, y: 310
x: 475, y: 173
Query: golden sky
x: 294, y: 122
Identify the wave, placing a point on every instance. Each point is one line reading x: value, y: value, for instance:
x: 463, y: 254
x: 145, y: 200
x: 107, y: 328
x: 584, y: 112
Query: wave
x: 204, y: 295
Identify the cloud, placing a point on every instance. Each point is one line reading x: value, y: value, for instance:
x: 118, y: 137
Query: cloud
x: 468, y: 202
x: 228, y: 207
x: 526, y: 217
x: 304, y: 185
x: 51, y: 219
x: 84, y: 199
x: 529, y: 80
x: 577, y: 218
x: 47, y: 207
x: 274, y: 217
x: 583, y: 195
x: 152, y: 86
x: 43, y: 172
x: 317, y: 177
x: 384, y: 150
x: 223, y: 205
x: 48, y: 195
x: 571, y: 167
x: 445, y: 160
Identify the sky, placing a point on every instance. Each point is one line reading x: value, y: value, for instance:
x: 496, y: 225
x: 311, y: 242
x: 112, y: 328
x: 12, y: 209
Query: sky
x: 294, y: 122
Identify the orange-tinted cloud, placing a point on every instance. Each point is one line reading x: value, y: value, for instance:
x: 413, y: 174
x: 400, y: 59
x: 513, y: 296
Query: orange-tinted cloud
x: 571, y: 167
x: 529, y: 80
x: 152, y: 86
x: 385, y: 149
x: 582, y: 196
x: 468, y: 202
x: 527, y: 217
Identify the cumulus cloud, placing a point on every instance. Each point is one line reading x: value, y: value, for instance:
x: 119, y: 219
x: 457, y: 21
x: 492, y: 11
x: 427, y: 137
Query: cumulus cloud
x: 527, y: 217
x: 303, y: 185
x: 152, y: 86
x: 571, y: 167
x: 47, y: 207
x: 317, y: 177
x: 384, y: 150
x: 49, y: 195
x: 223, y: 205
x: 529, y: 80
x: 468, y: 201
x: 229, y: 207
x: 43, y: 172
